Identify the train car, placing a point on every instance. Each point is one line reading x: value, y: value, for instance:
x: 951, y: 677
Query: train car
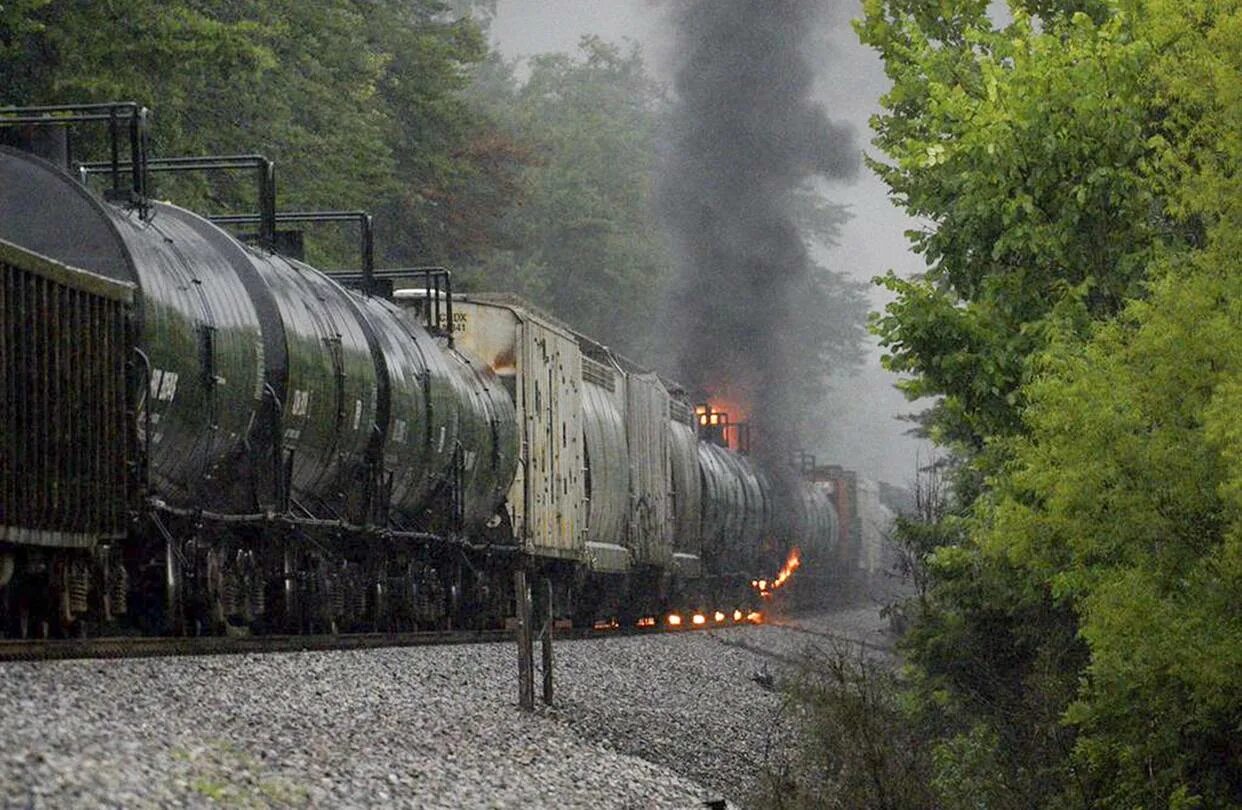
x: 685, y: 490
x: 538, y: 362
x: 65, y: 440
x: 268, y: 447
x: 262, y: 387
x: 606, y: 457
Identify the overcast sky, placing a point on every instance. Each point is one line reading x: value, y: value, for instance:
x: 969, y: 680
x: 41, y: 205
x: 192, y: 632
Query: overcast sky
x: 867, y: 436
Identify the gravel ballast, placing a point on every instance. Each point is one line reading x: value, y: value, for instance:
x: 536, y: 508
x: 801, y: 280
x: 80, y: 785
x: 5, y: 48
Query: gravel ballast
x: 640, y: 721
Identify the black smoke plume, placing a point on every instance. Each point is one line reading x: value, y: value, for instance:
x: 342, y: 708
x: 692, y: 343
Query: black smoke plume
x: 746, y: 137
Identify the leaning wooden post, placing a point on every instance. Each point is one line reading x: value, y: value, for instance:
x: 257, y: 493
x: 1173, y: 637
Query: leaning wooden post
x: 546, y: 638
x: 525, y: 641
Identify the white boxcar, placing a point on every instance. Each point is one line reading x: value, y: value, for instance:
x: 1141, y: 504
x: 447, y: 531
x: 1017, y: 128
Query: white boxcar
x: 538, y: 359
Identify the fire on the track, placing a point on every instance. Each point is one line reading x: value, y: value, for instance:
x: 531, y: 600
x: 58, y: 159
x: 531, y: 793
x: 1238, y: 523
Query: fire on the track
x: 678, y: 621
x: 765, y: 587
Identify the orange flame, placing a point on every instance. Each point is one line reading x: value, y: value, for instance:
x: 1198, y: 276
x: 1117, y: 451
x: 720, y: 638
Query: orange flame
x: 674, y: 620
x: 647, y: 621
x: 792, y: 562
x: 724, y: 411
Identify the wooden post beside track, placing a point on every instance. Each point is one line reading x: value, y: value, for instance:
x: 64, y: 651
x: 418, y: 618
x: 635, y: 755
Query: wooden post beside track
x: 546, y: 642
x: 525, y: 641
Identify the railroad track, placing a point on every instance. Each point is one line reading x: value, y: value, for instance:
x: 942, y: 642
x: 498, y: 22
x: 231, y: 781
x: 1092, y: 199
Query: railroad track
x: 835, y: 637
x: 798, y: 660
x: 12, y: 650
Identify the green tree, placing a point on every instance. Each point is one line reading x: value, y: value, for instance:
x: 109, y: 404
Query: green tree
x: 1079, y: 319
x: 361, y: 106
x: 1025, y: 151
x: 582, y: 242
x: 1123, y: 497
x: 1122, y: 501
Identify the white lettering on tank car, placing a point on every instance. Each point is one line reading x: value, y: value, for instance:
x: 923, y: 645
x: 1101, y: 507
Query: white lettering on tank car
x: 468, y: 461
x: 168, y: 386
x: 260, y: 367
x: 300, y: 403
x: 440, y: 449
x: 357, y: 413
x: 399, y: 431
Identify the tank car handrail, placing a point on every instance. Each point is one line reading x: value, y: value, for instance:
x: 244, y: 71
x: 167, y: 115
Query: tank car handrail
x: 210, y: 161
x: 364, y: 219
x: 433, y: 295
x: 103, y: 111
x: 266, y: 180
x: 46, y: 108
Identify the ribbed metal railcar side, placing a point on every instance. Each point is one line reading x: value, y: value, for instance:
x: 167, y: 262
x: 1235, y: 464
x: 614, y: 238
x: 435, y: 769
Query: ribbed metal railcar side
x: 607, y: 482
x: 798, y: 524
x: 66, y: 436
x: 332, y: 390
x: 766, y: 514
x: 874, y: 519
x: 810, y: 522
x: 723, y: 504
x: 687, y: 498
x: 743, y: 546
x: 199, y: 332
x: 202, y: 339
x: 830, y: 526
x: 406, y: 472
x: 421, y: 429
x: 487, y: 444
x: 834, y: 520
x: 646, y: 434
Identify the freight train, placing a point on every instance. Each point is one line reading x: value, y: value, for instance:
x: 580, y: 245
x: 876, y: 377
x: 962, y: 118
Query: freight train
x: 204, y: 434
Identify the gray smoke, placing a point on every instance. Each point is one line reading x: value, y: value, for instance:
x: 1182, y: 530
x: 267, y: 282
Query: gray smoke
x: 747, y: 135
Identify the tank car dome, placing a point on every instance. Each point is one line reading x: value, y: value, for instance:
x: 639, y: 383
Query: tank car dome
x: 37, y: 198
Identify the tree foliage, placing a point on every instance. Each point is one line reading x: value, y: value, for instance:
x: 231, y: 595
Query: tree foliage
x: 530, y: 178
x: 1026, y: 153
x: 582, y: 243
x: 1081, y: 320
x: 361, y: 105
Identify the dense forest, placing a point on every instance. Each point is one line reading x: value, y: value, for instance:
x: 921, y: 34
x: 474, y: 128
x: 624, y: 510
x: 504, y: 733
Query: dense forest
x: 534, y: 177
x: 1077, y: 636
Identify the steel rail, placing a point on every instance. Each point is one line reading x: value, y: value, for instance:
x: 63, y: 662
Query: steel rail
x: 28, y: 650
x: 837, y: 637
